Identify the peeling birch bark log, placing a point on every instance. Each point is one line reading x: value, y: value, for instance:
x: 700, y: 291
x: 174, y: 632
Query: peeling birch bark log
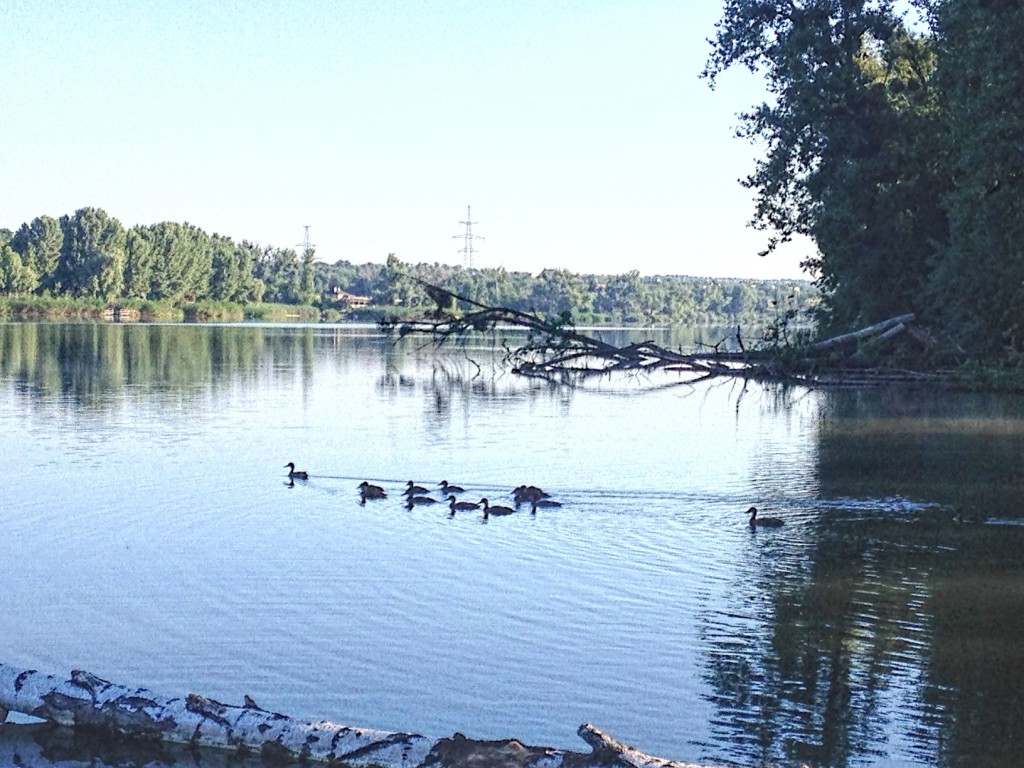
x: 87, y: 702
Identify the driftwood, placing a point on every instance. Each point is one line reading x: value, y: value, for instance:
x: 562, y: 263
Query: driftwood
x: 556, y: 351
x: 87, y: 703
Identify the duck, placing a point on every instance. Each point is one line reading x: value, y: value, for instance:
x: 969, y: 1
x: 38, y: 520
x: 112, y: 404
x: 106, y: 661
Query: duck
x: 296, y: 474
x: 528, y: 493
x: 447, y: 487
x: 543, y: 503
x: 368, y: 491
x: 765, y: 522
x: 494, y: 510
x: 454, y: 504
x: 411, y: 489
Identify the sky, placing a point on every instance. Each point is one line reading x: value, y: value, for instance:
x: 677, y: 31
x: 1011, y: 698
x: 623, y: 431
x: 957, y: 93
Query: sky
x: 579, y: 133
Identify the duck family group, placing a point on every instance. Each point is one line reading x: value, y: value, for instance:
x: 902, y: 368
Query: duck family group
x: 418, y: 495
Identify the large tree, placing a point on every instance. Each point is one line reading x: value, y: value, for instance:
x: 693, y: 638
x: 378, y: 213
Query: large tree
x: 93, y: 254
x: 851, y: 140
x: 15, y: 276
x: 979, y: 280
x: 182, y: 262
x: 39, y: 244
x: 140, y: 262
x: 232, y: 277
x: 281, y: 273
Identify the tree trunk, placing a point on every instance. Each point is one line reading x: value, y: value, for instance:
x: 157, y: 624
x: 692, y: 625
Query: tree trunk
x: 871, y: 330
x: 87, y: 702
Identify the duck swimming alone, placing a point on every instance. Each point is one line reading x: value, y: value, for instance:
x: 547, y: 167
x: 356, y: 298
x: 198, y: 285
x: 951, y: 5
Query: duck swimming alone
x: 494, y: 510
x: 766, y: 522
x: 411, y: 489
x: 368, y: 491
x: 296, y: 474
x: 447, y: 487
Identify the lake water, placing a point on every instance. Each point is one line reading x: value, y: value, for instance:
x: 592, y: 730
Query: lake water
x: 150, y: 536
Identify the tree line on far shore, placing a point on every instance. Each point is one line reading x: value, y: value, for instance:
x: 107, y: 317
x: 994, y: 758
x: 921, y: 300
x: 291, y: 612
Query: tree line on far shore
x: 90, y: 255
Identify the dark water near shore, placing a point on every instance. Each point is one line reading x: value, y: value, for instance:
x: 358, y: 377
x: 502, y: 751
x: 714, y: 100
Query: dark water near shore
x: 149, y: 536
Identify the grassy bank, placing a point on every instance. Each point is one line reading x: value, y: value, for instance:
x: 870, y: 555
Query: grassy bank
x: 128, y: 310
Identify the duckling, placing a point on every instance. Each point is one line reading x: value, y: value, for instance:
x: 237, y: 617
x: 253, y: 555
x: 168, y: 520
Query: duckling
x: 453, y: 504
x: 494, y: 510
x: 543, y: 503
x: 447, y: 487
x: 766, y: 522
x: 411, y: 489
x: 368, y: 491
x: 296, y: 474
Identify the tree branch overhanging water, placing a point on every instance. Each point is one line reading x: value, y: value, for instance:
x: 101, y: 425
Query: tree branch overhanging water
x: 555, y: 350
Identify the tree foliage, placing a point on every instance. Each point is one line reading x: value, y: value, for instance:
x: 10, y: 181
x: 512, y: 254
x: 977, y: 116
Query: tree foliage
x: 90, y: 254
x: 39, y: 244
x: 628, y: 298
x: 93, y: 254
x: 979, y: 280
x: 895, y: 143
x: 850, y: 138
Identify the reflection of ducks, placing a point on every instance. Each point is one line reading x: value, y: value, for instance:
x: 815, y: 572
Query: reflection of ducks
x: 296, y: 474
x: 447, y: 487
x: 543, y: 503
x: 411, y: 489
x: 416, y: 501
x: 765, y: 522
x: 368, y: 491
x: 528, y: 493
x: 454, y: 505
x: 494, y: 510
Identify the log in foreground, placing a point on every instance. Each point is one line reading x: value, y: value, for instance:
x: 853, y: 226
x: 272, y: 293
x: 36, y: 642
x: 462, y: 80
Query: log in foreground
x: 85, y: 701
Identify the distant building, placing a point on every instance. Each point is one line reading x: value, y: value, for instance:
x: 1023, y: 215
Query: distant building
x: 350, y: 300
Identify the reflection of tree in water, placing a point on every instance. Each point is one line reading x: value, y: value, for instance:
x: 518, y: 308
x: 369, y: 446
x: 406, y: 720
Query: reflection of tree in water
x: 976, y: 673
x: 871, y: 629
x: 457, y: 383
x: 86, y: 362
x: 818, y: 657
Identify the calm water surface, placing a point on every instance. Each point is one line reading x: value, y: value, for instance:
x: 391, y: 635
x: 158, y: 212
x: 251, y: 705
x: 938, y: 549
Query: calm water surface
x: 150, y: 537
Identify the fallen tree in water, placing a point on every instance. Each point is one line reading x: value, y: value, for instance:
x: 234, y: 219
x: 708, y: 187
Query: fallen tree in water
x: 555, y: 350
x: 87, y: 702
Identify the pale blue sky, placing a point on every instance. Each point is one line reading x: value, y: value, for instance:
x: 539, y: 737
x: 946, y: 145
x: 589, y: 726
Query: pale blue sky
x: 578, y: 131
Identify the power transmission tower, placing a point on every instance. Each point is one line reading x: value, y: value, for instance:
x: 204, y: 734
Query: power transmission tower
x: 467, y: 239
x: 305, y: 244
